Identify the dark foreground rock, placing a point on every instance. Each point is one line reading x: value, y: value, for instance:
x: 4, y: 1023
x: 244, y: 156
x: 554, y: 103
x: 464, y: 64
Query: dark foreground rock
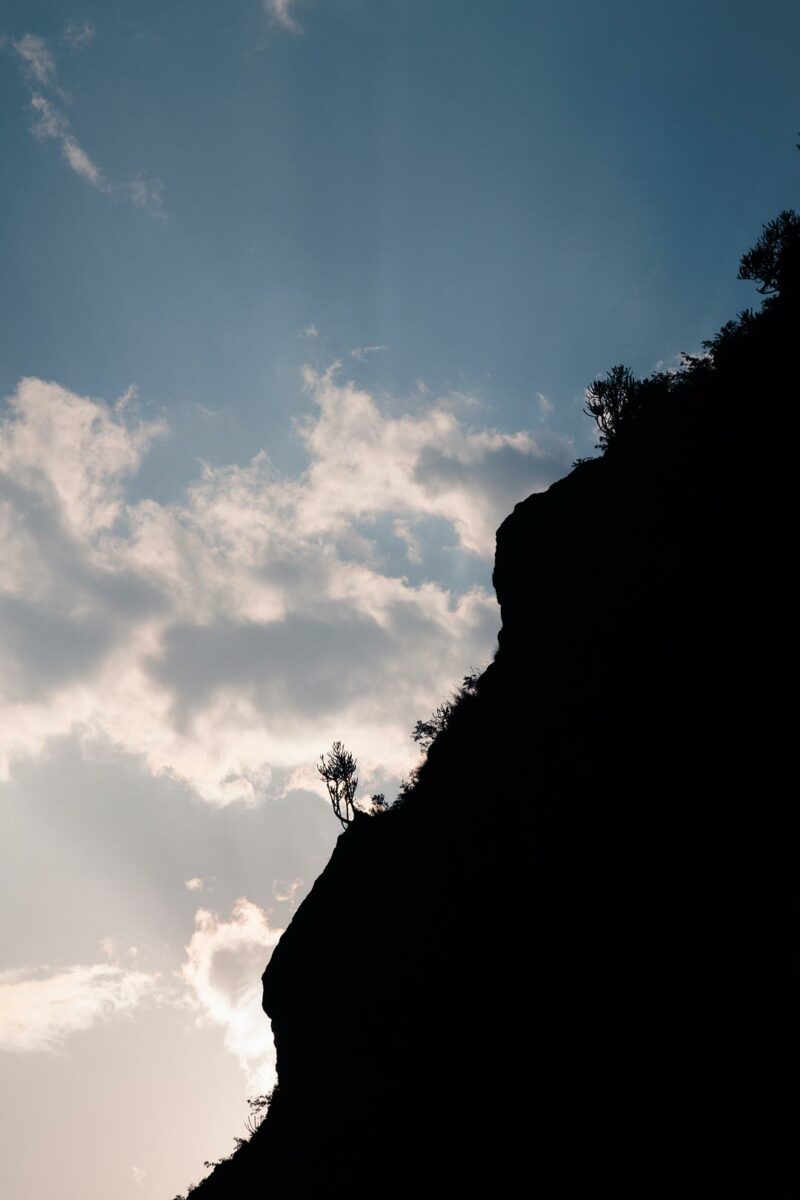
x: 563, y: 963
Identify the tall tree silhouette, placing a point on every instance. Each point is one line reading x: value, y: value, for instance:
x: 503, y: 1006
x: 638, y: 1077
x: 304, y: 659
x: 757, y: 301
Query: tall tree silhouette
x: 338, y: 769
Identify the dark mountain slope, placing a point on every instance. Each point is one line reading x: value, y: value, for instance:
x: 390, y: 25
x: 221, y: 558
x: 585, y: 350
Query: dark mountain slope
x: 566, y: 956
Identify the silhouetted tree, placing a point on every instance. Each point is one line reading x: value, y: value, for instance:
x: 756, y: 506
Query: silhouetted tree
x: 338, y: 769
x: 773, y: 261
x: 612, y: 402
x: 426, y: 732
x: 258, y: 1106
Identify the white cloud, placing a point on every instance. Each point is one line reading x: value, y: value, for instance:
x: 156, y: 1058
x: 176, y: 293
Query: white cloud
x: 287, y: 891
x: 52, y: 124
x: 229, y: 638
x: 39, y: 62
x: 78, y: 37
x: 219, y: 981
x: 281, y: 12
x: 362, y: 353
x: 196, y: 884
x: 223, y: 968
x: 403, y: 531
x: 366, y: 462
x: 109, y: 947
x: 71, y: 453
x: 40, y: 1008
x: 148, y: 193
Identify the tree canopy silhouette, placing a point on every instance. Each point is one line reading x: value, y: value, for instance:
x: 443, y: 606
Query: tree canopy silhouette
x: 425, y: 733
x: 773, y: 261
x: 612, y: 401
x: 338, y: 769
x: 617, y: 400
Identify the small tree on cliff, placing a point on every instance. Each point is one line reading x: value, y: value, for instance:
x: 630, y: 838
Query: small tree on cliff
x: 612, y: 401
x: 774, y: 260
x: 338, y: 768
x: 425, y: 733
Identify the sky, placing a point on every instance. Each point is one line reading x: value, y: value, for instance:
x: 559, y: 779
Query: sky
x: 299, y: 298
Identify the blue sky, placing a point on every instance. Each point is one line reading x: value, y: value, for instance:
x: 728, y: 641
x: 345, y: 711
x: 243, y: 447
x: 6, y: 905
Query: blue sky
x: 299, y: 298
x: 510, y: 196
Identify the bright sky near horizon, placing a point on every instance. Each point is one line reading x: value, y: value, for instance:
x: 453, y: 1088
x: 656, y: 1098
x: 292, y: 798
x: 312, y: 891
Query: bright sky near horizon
x: 299, y: 298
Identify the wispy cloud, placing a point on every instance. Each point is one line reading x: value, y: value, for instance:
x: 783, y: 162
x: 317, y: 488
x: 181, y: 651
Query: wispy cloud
x: 287, y: 891
x: 40, y: 1008
x: 40, y: 66
x: 218, y: 980
x: 226, y: 638
x: 50, y: 122
x: 403, y: 531
x: 362, y: 353
x: 147, y: 192
x: 78, y: 36
x: 281, y: 12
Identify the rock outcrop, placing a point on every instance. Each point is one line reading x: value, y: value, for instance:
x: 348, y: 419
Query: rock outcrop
x: 564, y: 957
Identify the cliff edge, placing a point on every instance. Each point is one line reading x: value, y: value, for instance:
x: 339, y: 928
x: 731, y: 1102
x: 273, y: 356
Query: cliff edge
x: 565, y: 957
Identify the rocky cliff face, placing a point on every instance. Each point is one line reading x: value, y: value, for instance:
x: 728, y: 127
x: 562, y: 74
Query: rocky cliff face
x: 557, y: 959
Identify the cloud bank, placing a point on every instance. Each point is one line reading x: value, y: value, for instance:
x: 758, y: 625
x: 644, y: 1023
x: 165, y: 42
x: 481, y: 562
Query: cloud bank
x: 219, y: 981
x: 229, y: 638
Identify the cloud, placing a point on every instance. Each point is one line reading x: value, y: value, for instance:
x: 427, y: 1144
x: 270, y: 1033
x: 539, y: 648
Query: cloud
x: 147, y: 193
x: 286, y: 891
x: 281, y: 12
x: 40, y: 66
x: 71, y: 454
x: 219, y: 981
x: 51, y: 123
x: 362, y: 353
x: 40, y: 1008
x: 223, y: 968
x: 403, y: 531
x: 196, y: 884
x: 230, y: 637
x: 78, y: 37
x: 366, y: 462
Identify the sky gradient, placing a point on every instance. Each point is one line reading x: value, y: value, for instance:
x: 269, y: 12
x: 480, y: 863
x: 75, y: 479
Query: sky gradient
x: 299, y: 298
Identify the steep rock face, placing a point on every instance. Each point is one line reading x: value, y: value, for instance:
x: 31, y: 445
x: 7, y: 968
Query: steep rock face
x: 559, y: 956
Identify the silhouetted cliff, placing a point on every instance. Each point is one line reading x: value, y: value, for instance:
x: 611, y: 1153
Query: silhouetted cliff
x: 565, y: 956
